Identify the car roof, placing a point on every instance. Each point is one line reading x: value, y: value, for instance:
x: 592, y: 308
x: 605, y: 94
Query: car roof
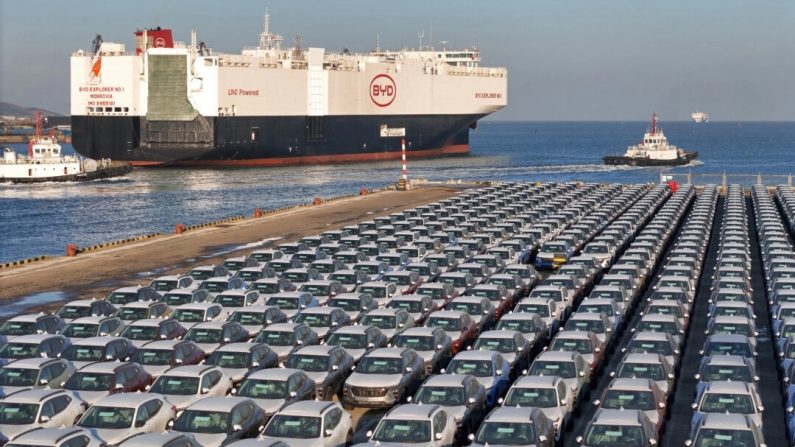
x: 127, y: 289
x: 447, y: 314
x: 631, y: 384
x: 637, y: 357
x: 353, y: 329
x: 82, y: 303
x: 224, y: 404
x: 34, y: 338
x: 734, y: 387
x: 451, y: 380
x: 162, y: 344
x: 412, y: 297
x: 151, y: 439
x: 616, y: 417
x: 387, y: 352
x: 238, y: 347
x: 316, y: 349
x: 32, y: 395
x: 283, y: 327
x: 307, y: 408
x: 139, y: 304
x: 384, y: 311
x: 726, y: 360
x: 319, y: 310
x: 96, y: 341
x: 125, y: 399
x: 273, y: 374
x: 147, y: 322
x: 31, y: 363
x: 536, y: 381
x: 420, y: 331
x: 104, y: 367
x: 511, y: 414
x: 97, y: 319
x: 28, y: 317
x: 43, y: 436
x: 650, y: 335
x: 189, y: 370
x: 726, y: 421
x: 412, y: 412
x: 498, y: 333
x: 557, y: 356
x: 475, y: 355
x: 216, y: 324
x: 197, y: 306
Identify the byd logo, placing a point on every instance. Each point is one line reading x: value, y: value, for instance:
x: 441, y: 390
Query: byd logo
x: 383, y: 90
x: 160, y: 42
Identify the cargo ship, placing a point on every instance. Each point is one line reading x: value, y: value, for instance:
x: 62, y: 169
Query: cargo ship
x: 653, y: 150
x: 170, y: 103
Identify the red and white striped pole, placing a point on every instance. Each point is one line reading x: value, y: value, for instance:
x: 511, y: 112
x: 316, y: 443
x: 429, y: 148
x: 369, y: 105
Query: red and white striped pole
x: 403, y: 153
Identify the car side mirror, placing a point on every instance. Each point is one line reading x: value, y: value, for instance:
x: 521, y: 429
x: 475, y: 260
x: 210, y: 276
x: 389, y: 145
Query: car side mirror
x: 438, y: 436
x: 335, y: 368
x: 205, y: 390
x: 409, y: 369
x: 582, y: 374
x: 652, y: 442
x: 299, y: 342
x: 369, y: 433
x: 694, y: 406
x: 328, y: 432
x: 44, y: 418
x: 237, y: 427
x: 499, y: 372
x: 227, y: 339
x: 43, y: 382
x: 579, y: 439
x: 118, y: 386
x: 661, y: 405
x: 564, y: 402
x: 542, y: 438
x: 140, y: 423
x: 255, y: 364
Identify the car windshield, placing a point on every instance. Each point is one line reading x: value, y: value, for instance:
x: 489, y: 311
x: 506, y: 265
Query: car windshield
x: 728, y: 328
x: 524, y: 273
x: 380, y: 365
x: 18, y: 376
x: 314, y: 319
x: 441, y: 395
x: 122, y: 298
x: 348, y: 341
x: 596, y: 249
x: 230, y: 300
x: 531, y: 397
x: 249, y: 275
x: 541, y: 309
x: 13, y: 328
x: 375, y: 291
x: 447, y: 324
x: 344, y: 278
x: 523, y: 326
x: 597, y: 308
x: 581, y: 345
x: 163, y: 285
x: 726, y: 372
x: 276, y: 338
x: 250, y: 318
x: 80, y: 330
x: 414, y: 342
x: 477, y: 368
x: 506, y: 433
x: 650, y: 346
x: 180, y: 385
x: 505, y: 345
x: 436, y: 293
x: 641, y: 371
x: 411, y: 431
x: 19, y: 350
x: 83, y: 353
x: 215, y: 286
x: 470, y: 308
x: 283, y: 303
x: 348, y: 305
x: 202, y: 335
x: 13, y: 413
x: 658, y: 326
x: 631, y: 400
x: 73, y: 312
x: 234, y: 265
x: 152, y: 356
x: 226, y: 359
x: 311, y: 363
x: 197, y: 421
x: 410, y: 306
x: 370, y: 269
x: 551, y: 247
x: 727, y: 403
x: 507, y: 282
x: 177, y: 299
x: 491, y: 294
x: 200, y: 274
x: 423, y: 270
x: 296, y: 276
x: 263, y: 389
x: 401, y: 280
x: 188, y: 315
x: 707, y: 437
x: 323, y: 267
x: 141, y: 332
x: 107, y: 417
x: 289, y: 426
x: 86, y: 381
x: 455, y: 281
x: 316, y: 290
x: 565, y: 370
x: 614, y: 435
x: 379, y: 321
x: 132, y: 314
x: 721, y: 348
x: 266, y: 287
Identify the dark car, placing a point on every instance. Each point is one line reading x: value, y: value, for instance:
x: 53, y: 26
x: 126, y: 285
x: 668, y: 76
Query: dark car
x: 97, y: 380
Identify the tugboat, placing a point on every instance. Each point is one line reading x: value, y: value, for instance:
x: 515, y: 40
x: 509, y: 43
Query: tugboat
x: 45, y: 163
x: 653, y: 150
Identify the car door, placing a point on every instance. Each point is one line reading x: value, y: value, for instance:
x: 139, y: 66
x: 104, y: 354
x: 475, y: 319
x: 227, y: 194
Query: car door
x: 242, y: 419
x: 51, y: 374
x: 53, y: 412
x: 439, y: 423
x: 331, y: 425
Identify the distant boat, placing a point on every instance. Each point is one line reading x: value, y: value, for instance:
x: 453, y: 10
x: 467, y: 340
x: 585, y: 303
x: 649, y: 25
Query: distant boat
x: 699, y: 117
x: 653, y: 150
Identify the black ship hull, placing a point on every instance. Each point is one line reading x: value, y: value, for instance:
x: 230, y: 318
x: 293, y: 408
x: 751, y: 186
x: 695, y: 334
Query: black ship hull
x: 614, y: 160
x: 268, y: 141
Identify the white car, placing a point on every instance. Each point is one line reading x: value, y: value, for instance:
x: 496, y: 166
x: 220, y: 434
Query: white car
x: 425, y: 425
x: 310, y: 424
x: 46, y: 407
x: 184, y: 385
x: 119, y: 416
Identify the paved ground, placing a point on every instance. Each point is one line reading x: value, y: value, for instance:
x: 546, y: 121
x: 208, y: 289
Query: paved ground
x: 95, y: 274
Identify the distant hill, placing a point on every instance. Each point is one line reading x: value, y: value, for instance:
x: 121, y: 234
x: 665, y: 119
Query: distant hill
x: 8, y: 109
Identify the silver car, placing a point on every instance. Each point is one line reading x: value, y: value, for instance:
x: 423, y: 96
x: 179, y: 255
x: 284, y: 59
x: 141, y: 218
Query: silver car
x: 220, y: 420
x: 119, y: 416
x: 425, y: 425
x: 525, y: 426
x: 38, y: 408
x: 431, y: 343
x: 547, y: 393
x: 57, y: 437
x: 357, y: 340
x: 34, y: 373
x: 383, y: 378
x: 191, y: 314
x: 328, y: 366
x: 184, y: 385
x: 237, y: 360
x: 272, y: 389
x: 310, y: 424
x: 165, y: 439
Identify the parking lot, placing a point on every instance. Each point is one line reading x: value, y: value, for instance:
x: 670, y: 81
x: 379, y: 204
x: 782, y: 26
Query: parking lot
x: 538, y: 313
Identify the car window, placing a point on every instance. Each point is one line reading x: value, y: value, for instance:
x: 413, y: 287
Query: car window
x: 79, y: 441
x: 60, y: 403
x: 241, y: 413
x: 211, y: 379
x: 153, y: 406
x: 439, y: 422
x: 332, y: 419
x: 561, y: 390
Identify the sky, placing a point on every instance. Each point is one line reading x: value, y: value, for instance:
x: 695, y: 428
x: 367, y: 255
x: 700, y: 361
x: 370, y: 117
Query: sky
x: 566, y: 59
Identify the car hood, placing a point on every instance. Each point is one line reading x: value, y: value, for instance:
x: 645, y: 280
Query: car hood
x: 552, y: 412
x: 11, y: 431
x: 208, y: 347
x: 252, y: 329
x: 318, y: 377
x: 509, y: 356
x: 207, y: 438
x: 139, y: 343
x: 321, y: 331
x: 91, y: 397
x: 426, y: 355
x: 296, y: 442
x: 156, y: 370
x: 270, y: 406
x: 373, y: 380
x: 457, y: 412
x: 487, y: 382
x: 181, y: 401
x: 237, y: 374
x: 282, y: 351
x: 357, y: 354
x: 290, y: 314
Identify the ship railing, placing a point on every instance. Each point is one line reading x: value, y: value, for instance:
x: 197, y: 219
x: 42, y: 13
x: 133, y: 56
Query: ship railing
x: 724, y: 179
x: 494, y: 72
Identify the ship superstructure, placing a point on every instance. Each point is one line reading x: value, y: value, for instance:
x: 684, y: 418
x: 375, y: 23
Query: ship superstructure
x: 173, y: 103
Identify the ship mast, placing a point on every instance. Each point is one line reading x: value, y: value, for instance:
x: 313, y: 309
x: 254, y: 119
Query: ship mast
x: 654, y: 123
x: 37, y: 138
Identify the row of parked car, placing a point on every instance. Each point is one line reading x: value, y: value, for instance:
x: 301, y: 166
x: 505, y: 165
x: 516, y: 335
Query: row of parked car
x: 448, y: 297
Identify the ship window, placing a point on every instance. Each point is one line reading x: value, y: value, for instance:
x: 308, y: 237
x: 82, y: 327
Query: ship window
x: 117, y: 109
x: 315, y: 127
x: 254, y: 133
x: 126, y: 109
x: 108, y: 109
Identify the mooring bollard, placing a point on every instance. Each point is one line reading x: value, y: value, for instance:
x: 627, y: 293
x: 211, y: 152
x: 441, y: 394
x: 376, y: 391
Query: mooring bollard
x: 71, y: 250
x: 179, y: 228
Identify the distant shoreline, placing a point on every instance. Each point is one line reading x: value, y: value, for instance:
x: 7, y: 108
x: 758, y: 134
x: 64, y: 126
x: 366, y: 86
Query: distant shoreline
x: 22, y: 139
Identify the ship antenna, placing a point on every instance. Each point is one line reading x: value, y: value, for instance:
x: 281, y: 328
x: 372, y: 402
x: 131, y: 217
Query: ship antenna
x: 420, y: 35
x: 96, y: 44
x: 654, y: 123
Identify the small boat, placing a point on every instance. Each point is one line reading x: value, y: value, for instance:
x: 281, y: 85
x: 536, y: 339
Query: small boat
x: 653, y: 150
x: 44, y: 162
x: 699, y: 117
